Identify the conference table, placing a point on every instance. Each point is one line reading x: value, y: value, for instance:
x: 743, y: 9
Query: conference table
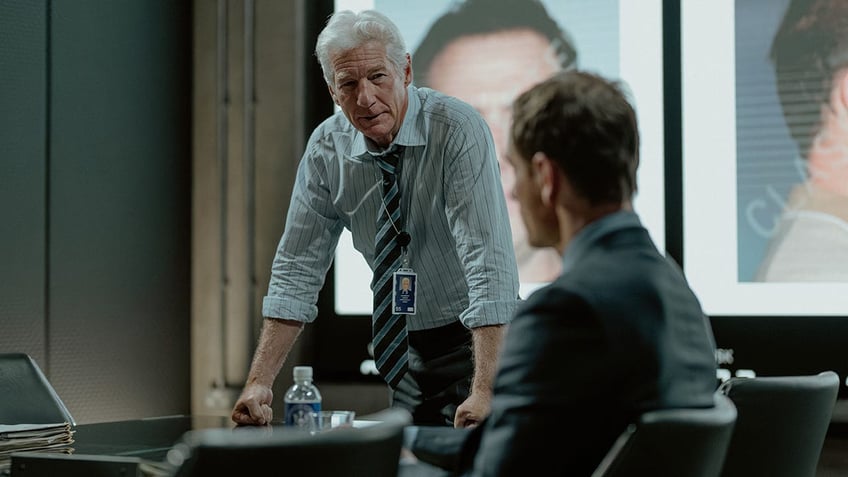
x: 149, y: 439
x: 126, y: 448
x: 119, y: 448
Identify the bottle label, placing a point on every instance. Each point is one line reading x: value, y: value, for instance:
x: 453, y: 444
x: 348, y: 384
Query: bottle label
x: 299, y: 414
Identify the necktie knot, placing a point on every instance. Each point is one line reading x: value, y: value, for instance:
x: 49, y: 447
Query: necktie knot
x: 388, y: 162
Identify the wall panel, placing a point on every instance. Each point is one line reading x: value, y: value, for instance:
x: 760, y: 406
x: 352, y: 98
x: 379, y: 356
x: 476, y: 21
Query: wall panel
x: 119, y: 207
x: 23, y: 149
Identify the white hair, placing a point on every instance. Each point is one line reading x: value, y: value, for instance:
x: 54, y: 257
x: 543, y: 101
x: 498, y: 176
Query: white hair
x: 346, y: 30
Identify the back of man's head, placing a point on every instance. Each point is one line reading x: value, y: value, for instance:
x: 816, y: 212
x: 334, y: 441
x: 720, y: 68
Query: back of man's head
x: 588, y: 127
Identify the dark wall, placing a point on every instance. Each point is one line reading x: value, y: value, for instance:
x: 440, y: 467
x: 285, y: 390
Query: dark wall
x: 95, y: 200
x: 23, y: 158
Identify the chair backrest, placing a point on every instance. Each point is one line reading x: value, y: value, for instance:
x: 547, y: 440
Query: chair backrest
x: 673, y: 442
x: 782, y: 424
x: 26, y: 396
x: 372, y: 451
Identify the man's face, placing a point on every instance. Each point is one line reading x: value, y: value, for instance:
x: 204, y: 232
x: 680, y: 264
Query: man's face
x: 370, y: 91
x: 489, y: 71
x: 539, y: 219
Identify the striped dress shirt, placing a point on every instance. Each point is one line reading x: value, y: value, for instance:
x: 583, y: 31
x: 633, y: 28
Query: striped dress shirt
x: 452, y: 205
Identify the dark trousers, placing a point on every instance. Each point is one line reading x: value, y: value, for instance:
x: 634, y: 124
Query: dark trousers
x: 439, y: 376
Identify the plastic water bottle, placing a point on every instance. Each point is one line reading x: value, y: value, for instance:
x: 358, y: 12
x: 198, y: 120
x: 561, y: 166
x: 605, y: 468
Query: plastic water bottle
x: 302, y: 399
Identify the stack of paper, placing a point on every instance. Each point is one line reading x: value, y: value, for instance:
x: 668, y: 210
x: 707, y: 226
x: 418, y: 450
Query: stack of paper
x: 34, y: 437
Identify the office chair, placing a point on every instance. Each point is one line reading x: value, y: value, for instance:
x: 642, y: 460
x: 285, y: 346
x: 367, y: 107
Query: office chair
x: 673, y: 442
x: 26, y: 396
x: 782, y: 424
x: 371, y: 451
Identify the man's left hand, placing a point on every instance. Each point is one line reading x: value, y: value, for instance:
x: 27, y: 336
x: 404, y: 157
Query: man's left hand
x: 472, y: 411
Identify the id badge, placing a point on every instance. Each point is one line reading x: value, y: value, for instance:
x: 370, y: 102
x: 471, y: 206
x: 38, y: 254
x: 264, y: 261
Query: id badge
x: 404, y: 291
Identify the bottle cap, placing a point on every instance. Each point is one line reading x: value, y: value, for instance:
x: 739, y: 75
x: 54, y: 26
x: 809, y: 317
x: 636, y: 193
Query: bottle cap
x: 302, y: 372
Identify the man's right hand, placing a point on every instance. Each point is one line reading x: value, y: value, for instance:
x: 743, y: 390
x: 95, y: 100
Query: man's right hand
x: 253, y: 407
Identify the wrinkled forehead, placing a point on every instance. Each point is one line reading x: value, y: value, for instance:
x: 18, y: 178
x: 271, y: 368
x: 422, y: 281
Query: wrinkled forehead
x: 368, y: 57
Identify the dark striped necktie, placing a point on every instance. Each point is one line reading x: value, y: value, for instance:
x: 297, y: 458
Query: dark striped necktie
x: 389, y: 329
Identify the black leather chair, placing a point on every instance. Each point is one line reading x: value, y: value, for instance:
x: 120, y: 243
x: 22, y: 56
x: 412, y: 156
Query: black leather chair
x: 673, y: 442
x: 781, y: 426
x: 371, y: 451
x: 26, y: 396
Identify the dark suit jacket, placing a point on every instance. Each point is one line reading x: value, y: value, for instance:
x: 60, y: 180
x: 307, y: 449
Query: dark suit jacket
x: 618, y: 333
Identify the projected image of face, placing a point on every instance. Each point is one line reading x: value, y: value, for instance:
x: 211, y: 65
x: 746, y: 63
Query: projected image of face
x: 485, y: 52
x: 809, y: 242
x: 489, y: 71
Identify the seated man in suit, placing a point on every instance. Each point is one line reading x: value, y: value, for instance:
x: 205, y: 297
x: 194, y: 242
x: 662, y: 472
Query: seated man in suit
x: 619, y: 332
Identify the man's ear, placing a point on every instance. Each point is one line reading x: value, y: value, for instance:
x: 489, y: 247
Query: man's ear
x: 546, y: 176
x: 407, y: 71
x: 332, y: 94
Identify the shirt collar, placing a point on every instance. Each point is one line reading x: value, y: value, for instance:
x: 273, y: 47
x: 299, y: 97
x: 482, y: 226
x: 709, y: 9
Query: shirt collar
x: 585, y: 238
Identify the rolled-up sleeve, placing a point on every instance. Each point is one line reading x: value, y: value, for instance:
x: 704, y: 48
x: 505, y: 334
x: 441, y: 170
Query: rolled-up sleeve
x: 305, y: 251
x: 477, y: 213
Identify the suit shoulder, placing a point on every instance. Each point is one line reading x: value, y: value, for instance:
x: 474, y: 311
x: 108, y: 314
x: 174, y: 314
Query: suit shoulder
x: 557, y: 299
